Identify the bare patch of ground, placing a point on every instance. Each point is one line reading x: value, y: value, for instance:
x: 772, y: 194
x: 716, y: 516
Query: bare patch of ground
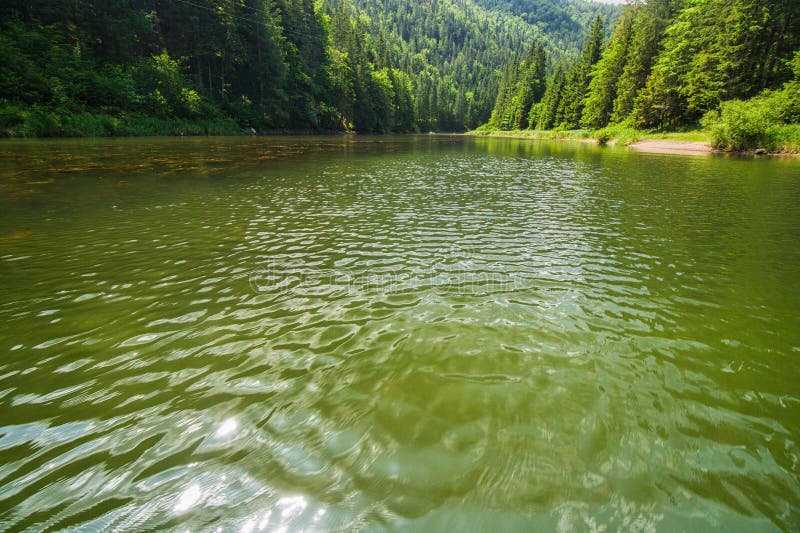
x: 666, y: 146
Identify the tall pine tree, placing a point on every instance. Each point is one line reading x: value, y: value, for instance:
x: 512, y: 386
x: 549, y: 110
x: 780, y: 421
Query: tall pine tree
x: 602, y: 90
x: 580, y: 75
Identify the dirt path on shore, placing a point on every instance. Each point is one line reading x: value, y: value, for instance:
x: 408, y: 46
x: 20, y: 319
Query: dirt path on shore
x: 665, y: 146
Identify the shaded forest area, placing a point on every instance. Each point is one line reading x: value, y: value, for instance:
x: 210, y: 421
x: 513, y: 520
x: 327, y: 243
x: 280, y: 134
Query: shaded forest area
x: 142, y: 67
x: 730, y: 66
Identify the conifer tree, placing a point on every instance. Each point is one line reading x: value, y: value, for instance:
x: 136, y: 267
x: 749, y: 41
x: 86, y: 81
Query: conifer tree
x: 717, y: 50
x: 651, y: 20
x: 530, y: 86
x: 551, y: 102
x: 602, y: 90
x: 572, y: 102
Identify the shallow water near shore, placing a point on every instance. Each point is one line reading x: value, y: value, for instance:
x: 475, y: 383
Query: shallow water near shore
x: 410, y: 332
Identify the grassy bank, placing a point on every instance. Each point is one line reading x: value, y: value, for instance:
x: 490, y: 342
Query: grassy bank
x: 787, y: 138
x: 776, y: 138
x: 619, y: 135
x: 40, y: 121
x: 547, y: 135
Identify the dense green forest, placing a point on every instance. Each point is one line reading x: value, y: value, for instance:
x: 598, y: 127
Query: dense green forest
x: 132, y: 67
x: 732, y: 66
x: 455, y: 50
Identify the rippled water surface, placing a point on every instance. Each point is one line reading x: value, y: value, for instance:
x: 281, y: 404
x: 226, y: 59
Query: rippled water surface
x: 427, y: 333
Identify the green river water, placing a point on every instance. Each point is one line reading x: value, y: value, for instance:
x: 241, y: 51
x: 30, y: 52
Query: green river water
x: 427, y: 333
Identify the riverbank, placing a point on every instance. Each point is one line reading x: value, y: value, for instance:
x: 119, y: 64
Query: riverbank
x: 692, y: 142
x: 40, y: 122
x: 665, y: 146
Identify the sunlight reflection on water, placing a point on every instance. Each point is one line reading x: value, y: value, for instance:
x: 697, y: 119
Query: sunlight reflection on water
x: 418, y: 333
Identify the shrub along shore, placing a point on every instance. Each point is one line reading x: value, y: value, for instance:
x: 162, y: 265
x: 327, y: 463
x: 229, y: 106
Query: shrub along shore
x: 41, y: 122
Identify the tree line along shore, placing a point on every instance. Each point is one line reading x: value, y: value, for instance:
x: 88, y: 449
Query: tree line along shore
x: 725, y: 69
x: 196, y: 67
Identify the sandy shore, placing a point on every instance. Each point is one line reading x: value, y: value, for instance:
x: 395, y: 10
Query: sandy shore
x: 653, y: 146
x: 664, y: 146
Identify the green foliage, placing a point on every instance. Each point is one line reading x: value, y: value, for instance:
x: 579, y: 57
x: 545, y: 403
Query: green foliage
x: 90, y: 68
x: 532, y: 78
x: 669, y: 63
x: 363, y: 96
x: 12, y: 118
x: 650, y: 21
x: 551, y: 101
x: 603, y: 136
x: 455, y: 52
x: 572, y: 101
x: 767, y: 121
x: 39, y: 121
x: 392, y: 65
x: 526, y: 99
x: 622, y: 134
x: 503, y: 113
x: 787, y: 137
x: 602, y: 90
x: 144, y: 126
x: 560, y: 20
x: 740, y: 125
x: 716, y: 50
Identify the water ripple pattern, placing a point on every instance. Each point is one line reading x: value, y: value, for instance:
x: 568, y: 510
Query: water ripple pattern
x: 432, y: 332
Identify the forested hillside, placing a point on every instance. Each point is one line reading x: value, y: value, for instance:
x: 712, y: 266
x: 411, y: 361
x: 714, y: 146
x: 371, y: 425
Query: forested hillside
x: 127, y: 67
x: 560, y: 20
x: 455, y: 50
x: 671, y: 64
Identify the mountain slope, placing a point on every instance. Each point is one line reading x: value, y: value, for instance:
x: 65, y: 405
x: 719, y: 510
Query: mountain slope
x: 132, y: 67
x: 560, y: 20
x: 455, y: 50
